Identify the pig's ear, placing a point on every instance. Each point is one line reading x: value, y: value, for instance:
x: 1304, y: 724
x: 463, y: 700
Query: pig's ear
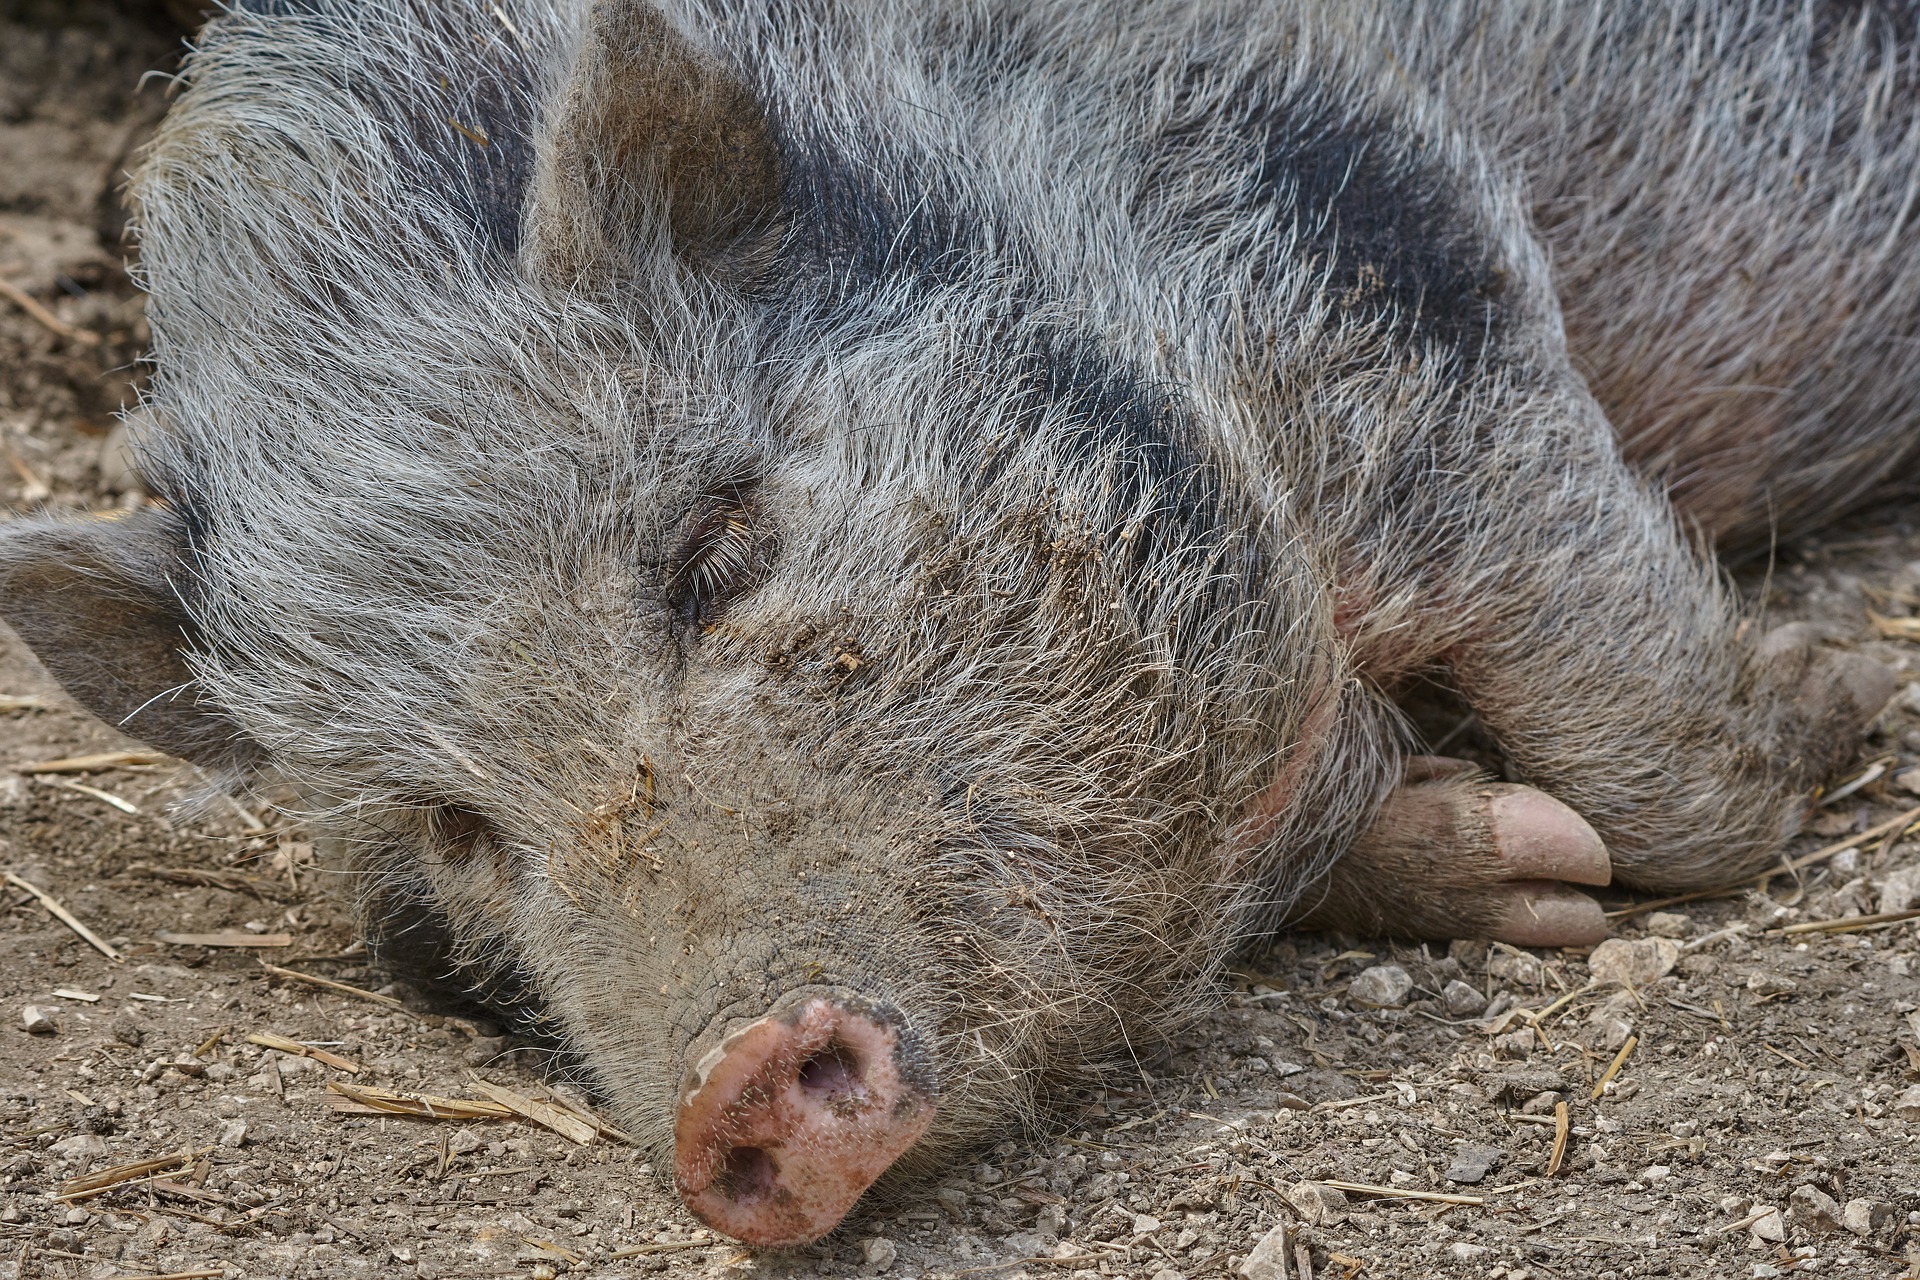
x: 94, y: 600
x: 651, y: 145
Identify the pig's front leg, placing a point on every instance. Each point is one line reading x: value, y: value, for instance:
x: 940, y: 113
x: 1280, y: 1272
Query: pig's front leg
x: 1659, y: 733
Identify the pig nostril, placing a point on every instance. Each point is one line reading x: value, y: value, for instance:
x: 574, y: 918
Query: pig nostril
x: 832, y: 1071
x: 749, y: 1175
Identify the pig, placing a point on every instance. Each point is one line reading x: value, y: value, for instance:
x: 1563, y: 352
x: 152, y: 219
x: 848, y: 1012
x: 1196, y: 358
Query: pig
x: 841, y: 557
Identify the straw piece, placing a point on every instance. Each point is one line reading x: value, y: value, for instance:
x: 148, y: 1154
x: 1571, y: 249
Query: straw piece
x: 339, y: 988
x: 1561, y: 1126
x: 67, y: 784
x: 1849, y: 924
x: 1613, y: 1068
x: 65, y: 916
x: 32, y: 306
x: 564, y: 1123
x: 92, y: 1184
x: 1400, y: 1193
x: 294, y: 1047
x: 92, y: 763
x: 230, y: 938
x: 425, y: 1105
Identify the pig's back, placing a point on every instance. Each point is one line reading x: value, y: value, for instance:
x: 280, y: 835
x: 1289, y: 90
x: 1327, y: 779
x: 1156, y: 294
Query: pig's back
x: 1727, y: 192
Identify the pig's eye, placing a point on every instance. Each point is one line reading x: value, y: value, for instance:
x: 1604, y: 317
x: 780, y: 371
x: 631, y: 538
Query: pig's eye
x: 721, y: 555
x: 458, y: 833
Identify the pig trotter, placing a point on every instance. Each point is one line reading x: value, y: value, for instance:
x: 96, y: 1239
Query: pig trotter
x: 786, y: 1121
x: 1454, y: 854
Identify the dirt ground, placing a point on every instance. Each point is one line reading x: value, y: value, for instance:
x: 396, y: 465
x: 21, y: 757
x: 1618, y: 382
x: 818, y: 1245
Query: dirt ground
x: 1762, y: 1115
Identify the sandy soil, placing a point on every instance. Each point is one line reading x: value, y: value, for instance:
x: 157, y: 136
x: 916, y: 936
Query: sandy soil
x: 1767, y: 1066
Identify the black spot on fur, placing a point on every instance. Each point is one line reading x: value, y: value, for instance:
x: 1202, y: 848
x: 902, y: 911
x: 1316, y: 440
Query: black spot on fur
x: 1393, y: 231
x: 851, y: 231
x: 1897, y: 21
x: 465, y: 137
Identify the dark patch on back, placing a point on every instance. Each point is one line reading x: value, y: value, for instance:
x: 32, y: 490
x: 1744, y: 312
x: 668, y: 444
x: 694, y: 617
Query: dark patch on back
x: 1394, y: 232
x: 851, y: 230
x: 1897, y: 21
x: 460, y: 106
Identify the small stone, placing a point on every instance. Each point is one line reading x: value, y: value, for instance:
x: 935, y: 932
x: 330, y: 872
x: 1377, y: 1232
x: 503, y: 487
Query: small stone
x: 1655, y: 1174
x: 1669, y: 924
x: 12, y: 1215
x: 1318, y: 1203
x: 1809, y: 1204
x: 1633, y: 964
x: 1908, y: 780
x: 1899, y: 890
x: 879, y: 1252
x: 1466, y: 1250
x: 1866, y: 1217
x: 1907, y: 1105
x: 1463, y: 999
x: 1473, y: 1164
x: 38, y: 1020
x: 76, y: 1217
x: 1382, y: 986
x: 1145, y: 1224
x: 1770, y: 1226
x: 1516, y: 967
x: 1402, y: 1178
x: 1269, y: 1260
x: 1770, y: 984
x: 464, y: 1141
x: 233, y: 1133
x: 1845, y: 863
x: 81, y: 1146
x: 1168, y: 1273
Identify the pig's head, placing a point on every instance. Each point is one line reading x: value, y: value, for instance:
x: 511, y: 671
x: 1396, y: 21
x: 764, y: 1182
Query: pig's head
x: 825, y: 687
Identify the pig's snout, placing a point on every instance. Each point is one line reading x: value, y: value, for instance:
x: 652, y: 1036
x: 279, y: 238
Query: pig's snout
x: 789, y: 1119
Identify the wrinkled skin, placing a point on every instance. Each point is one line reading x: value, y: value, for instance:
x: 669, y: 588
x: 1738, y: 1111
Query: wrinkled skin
x: 839, y: 564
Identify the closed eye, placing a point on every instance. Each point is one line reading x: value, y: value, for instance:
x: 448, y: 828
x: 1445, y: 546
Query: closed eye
x: 722, y: 554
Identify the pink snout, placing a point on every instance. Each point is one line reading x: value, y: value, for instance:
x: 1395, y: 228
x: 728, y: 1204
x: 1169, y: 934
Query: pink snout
x: 788, y: 1120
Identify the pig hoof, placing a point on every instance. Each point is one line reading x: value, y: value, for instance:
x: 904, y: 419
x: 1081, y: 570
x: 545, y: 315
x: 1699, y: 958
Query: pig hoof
x: 788, y: 1120
x: 1452, y: 854
x: 1862, y: 685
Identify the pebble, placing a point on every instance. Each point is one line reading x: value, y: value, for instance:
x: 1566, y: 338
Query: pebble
x: 1168, y: 1273
x: 38, y: 1020
x: 1770, y: 984
x: 233, y: 1133
x: 89, y: 1146
x: 1771, y: 1227
x: 1269, y: 1260
x: 1463, y: 999
x: 1516, y: 967
x: 1812, y: 1205
x: 1907, y: 1105
x: 1899, y: 890
x: 1318, y: 1203
x: 463, y: 1141
x: 1669, y: 924
x: 1473, y: 1164
x: 1383, y: 986
x: 879, y: 1252
x: 1466, y: 1250
x: 1865, y: 1217
x: 1145, y: 1224
x: 1633, y: 964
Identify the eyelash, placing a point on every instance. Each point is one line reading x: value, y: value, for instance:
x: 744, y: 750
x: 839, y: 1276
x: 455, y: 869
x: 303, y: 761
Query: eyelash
x: 721, y: 556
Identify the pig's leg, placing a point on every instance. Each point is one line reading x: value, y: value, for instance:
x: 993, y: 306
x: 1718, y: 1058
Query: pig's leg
x: 1454, y: 853
x: 1618, y: 674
